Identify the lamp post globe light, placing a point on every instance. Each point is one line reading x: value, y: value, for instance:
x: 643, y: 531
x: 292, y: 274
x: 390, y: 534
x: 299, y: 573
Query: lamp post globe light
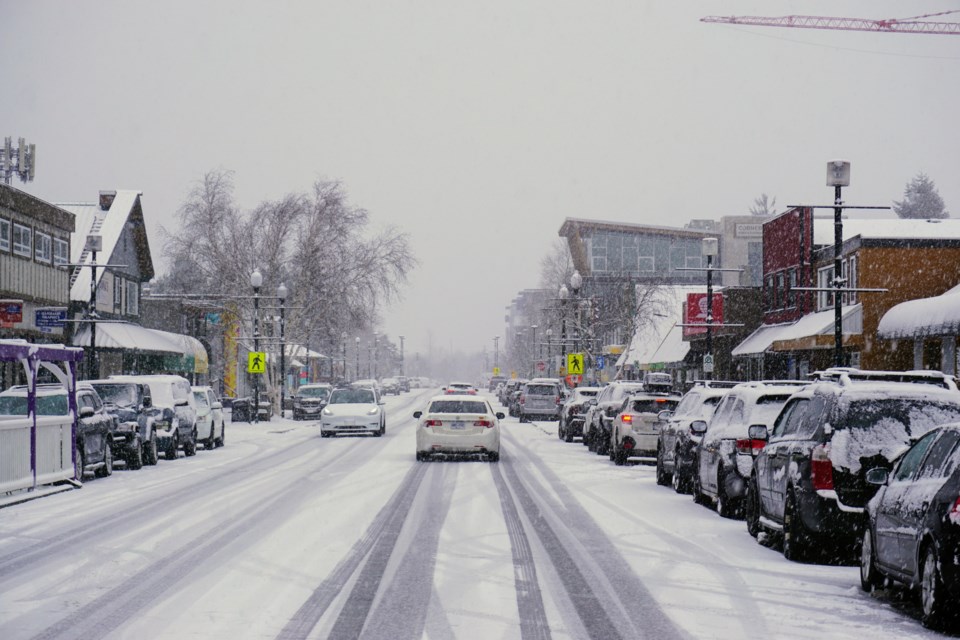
x: 256, y: 281
x: 838, y: 175
x: 282, y: 296
x: 356, y: 372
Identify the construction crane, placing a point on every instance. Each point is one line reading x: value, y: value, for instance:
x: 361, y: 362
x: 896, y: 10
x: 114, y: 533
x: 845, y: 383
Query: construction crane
x: 915, y: 24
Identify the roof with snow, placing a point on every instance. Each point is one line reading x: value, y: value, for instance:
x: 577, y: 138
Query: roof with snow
x: 935, y: 316
x: 813, y: 324
x: 886, y: 228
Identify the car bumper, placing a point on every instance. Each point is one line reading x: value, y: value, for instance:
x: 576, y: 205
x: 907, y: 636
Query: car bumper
x: 355, y: 425
x: 825, y: 516
x: 125, y: 437
x: 428, y: 442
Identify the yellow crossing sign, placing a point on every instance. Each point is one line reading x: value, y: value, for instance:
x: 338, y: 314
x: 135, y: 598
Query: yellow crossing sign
x: 256, y: 362
x: 575, y: 363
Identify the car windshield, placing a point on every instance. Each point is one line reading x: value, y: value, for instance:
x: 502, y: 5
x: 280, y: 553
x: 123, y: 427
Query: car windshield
x: 652, y: 405
x: 201, y: 398
x: 161, y: 394
x: 352, y: 396
x: 457, y: 406
x: 541, y: 390
x: 47, y: 405
x: 122, y: 395
x: 313, y: 392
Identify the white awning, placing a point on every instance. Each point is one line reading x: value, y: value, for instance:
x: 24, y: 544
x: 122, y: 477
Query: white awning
x: 812, y: 324
x: 936, y: 316
x: 672, y: 349
x: 132, y: 337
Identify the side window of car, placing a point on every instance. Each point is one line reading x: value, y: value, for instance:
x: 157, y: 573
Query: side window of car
x: 911, y: 460
x: 936, y: 464
x: 808, y: 421
x: 85, y: 400
x: 724, y: 409
x: 736, y: 412
x: 780, y: 427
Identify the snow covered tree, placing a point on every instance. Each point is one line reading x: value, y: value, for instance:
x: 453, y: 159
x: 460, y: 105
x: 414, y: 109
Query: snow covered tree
x: 763, y: 206
x: 920, y: 200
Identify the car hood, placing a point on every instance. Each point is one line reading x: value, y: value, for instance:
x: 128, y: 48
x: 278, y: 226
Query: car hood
x: 349, y: 409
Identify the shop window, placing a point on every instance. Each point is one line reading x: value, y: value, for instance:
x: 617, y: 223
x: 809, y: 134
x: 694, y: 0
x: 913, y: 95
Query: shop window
x: 44, y: 248
x: 5, y: 235
x: 22, y: 240
x: 61, y: 251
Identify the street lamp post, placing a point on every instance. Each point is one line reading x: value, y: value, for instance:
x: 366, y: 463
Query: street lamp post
x: 563, y: 294
x: 356, y: 371
x: 576, y: 281
x: 549, y: 333
x: 534, y: 354
x: 376, y: 358
x: 710, y: 248
x: 401, y: 356
x: 838, y: 176
x: 343, y: 355
x: 496, y: 352
x: 256, y: 281
x: 282, y: 296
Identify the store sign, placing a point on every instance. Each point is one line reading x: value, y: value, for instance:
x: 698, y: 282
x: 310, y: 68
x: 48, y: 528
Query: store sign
x: 695, y: 312
x: 50, y: 318
x: 11, y: 313
x: 751, y: 230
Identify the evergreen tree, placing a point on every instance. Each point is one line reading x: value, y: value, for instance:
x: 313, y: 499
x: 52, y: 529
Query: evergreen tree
x: 921, y: 200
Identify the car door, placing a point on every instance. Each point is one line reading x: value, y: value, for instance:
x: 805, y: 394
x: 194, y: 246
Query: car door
x: 91, y: 426
x: 771, y: 464
x: 709, y: 450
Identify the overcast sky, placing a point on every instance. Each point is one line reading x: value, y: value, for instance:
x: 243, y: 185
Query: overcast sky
x: 478, y: 127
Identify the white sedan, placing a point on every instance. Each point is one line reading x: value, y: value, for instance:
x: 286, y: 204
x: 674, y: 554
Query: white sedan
x: 458, y: 426
x: 353, y: 411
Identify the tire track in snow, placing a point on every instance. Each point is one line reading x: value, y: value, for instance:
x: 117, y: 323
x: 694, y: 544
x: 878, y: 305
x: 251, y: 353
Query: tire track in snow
x: 388, y: 520
x: 533, y: 616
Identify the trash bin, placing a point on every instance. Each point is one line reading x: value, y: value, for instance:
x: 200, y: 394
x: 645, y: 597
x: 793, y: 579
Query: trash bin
x: 242, y: 410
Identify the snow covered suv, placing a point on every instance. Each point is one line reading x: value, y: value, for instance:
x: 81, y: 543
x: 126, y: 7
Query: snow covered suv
x: 636, y: 429
x: 809, y: 482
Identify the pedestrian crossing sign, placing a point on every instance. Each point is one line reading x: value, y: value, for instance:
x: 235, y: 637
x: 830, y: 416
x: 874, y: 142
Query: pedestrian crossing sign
x: 256, y: 362
x: 575, y: 363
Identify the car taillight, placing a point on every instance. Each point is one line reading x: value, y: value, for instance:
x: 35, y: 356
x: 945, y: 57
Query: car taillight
x: 522, y: 399
x: 483, y: 423
x: 954, y: 513
x: 626, y: 417
x: 433, y: 423
x: 559, y: 400
x: 749, y: 447
x: 472, y: 392
x: 821, y: 469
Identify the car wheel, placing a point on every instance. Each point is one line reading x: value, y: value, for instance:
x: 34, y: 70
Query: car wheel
x: 695, y: 489
x: 78, y: 464
x: 150, y: 453
x: 933, y: 595
x: 663, y: 478
x: 751, y: 508
x: 619, y: 456
x: 493, y: 456
x: 223, y: 435
x: 870, y: 577
x: 560, y: 433
x: 173, y: 447
x: 107, y: 468
x: 603, y: 446
x: 676, y: 481
x: 378, y: 433
x: 568, y: 434
x: 796, y: 541
x: 135, y: 455
x: 725, y: 506
x: 190, y: 446
x: 211, y: 442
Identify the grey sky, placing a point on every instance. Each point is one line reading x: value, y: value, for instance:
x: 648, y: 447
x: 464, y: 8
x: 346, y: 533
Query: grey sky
x: 478, y: 126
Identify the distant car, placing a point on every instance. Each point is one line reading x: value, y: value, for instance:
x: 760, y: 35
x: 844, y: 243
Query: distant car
x: 309, y: 400
x: 458, y: 425
x: 210, y: 424
x: 404, y: 382
x: 94, y: 424
x: 636, y: 428
x: 353, y: 410
x: 174, y: 412
x: 460, y: 387
x: 677, y: 442
x: 913, y: 524
x: 541, y: 400
x: 134, y: 440
x: 574, y: 411
x: 809, y: 482
x: 495, y: 381
x: 506, y: 391
x: 390, y: 385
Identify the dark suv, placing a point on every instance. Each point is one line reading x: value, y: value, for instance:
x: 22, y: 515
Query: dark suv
x: 808, y: 482
x: 310, y: 400
x: 134, y: 440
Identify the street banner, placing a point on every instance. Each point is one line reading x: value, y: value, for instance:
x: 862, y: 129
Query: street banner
x: 695, y: 312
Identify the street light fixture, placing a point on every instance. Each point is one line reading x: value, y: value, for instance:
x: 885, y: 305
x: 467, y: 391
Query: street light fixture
x: 282, y: 296
x: 256, y: 281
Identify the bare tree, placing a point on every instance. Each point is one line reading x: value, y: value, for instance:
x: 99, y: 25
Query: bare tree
x: 556, y: 266
x: 763, y: 206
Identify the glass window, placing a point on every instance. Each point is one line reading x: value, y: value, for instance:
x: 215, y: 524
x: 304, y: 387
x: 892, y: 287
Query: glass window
x: 22, y: 240
x: 790, y: 418
x: 4, y: 234
x: 44, y: 248
x: 791, y: 294
x: 61, y: 251
x: 824, y: 280
x: 201, y: 399
x: 853, y: 280
x: 911, y: 460
x: 133, y: 298
x: 117, y: 293
x: 458, y: 406
x: 933, y: 466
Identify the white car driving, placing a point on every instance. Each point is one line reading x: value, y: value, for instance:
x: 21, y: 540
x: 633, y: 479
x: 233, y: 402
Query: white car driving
x: 459, y: 425
x: 353, y: 410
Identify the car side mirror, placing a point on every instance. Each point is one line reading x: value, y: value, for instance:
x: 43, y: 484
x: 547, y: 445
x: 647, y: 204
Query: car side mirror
x: 417, y: 414
x: 500, y: 415
x: 757, y: 432
x: 698, y: 427
x: 147, y: 402
x: 664, y: 415
x: 878, y: 476
x: 86, y: 412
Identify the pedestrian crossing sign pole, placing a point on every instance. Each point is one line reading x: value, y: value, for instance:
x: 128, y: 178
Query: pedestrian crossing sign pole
x: 575, y: 364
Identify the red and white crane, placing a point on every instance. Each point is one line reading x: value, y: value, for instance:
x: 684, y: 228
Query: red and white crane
x: 914, y: 24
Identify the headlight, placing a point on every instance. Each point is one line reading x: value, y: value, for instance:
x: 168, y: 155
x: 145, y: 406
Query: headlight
x: 327, y: 412
x: 373, y: 411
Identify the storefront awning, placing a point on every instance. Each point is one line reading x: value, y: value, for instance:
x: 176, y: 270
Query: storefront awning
x: 936, y: 316
x: 672, y: 350
x: 180, y: 352
x: 802, y: 334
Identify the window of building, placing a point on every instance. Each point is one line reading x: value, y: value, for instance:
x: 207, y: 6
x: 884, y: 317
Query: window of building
x: 853, y: 281
x: 117, y: 294
x: 791, y: 294
x: 824, y: 280
x: 133, y: 293
x: 780, y: 292
x: 44, y: 248
x: 22, y: 240
x: 4, y: 234
x: 645, y: 263
x: 61, y: 251
x: 768, y: 294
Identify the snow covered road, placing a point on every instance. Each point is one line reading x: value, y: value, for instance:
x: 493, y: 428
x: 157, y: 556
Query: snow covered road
x: 282, y: 534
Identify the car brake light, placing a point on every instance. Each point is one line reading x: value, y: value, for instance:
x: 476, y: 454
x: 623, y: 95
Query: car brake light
x: 954, y: 513
x: 559, y: 400
x: 483, y: 423
x: 522, y: 399
x: 626, y: 417
x: 472, y: 392
x: 433, y: 423
x: 821, y: 468
x: 749, y: 447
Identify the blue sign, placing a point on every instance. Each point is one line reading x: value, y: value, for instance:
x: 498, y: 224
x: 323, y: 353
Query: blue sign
x: 49, y: 319
x: 599, y: 362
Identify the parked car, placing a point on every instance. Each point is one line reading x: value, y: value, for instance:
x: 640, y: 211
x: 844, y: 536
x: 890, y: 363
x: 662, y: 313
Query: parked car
x: 353, y: 410
x: 135, y: 439
x: 723, y: 461
x: 404, y: 383
x: 506, y: 392
x: 636, y: 428
x: 513, y: 402
x: 241, y: 410
x: 174, y: 412
x: 460, y: 388
x: 211, y: 429
x: 94, y: 424
x: 599, y: 419
x: 458, y: 425
x: 808, y: 484
x: 677, y: 441
x: 573, y: 412
x: 540, y: 400
x: 390, y: 385
x: 912, y: 533
x: 310, y: 400
x: 495, y: 381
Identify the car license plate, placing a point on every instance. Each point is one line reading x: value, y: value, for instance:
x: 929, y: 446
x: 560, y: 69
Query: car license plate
x: 458, y: 424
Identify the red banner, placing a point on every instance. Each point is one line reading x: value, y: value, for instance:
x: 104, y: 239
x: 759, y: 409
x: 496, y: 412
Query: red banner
x: 695, y: 312
x: 11, y: 312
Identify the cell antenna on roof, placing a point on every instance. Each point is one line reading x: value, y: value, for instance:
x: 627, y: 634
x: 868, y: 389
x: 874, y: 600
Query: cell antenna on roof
x: 22, y: 161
